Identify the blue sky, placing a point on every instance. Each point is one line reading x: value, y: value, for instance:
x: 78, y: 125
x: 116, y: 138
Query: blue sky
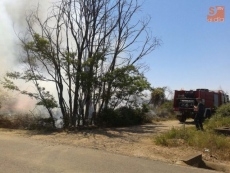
x: 194, y: 53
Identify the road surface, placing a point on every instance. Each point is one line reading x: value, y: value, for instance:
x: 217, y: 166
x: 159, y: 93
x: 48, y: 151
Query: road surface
x: 25, y: 155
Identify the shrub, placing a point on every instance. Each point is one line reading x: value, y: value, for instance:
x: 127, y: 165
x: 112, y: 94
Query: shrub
x: 123, y: 116
x: 145, y: 108
x: 223, y: 110
x: 173, y: 137
x: 165, y: 110
x: 5, y: 122
x: 217, y: 144
x: 108, y: 117
x: 131, y: 116
x: 168, y: 105
x: 220, y: 119
x: 217, y: 121
x: 26, y: 121
x: 34, y: 123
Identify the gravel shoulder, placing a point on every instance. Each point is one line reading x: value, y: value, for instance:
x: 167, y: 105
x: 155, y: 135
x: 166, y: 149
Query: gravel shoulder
x: 137, y: 141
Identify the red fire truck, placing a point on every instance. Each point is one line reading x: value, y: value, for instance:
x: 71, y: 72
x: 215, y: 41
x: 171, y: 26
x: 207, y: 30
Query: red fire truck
x: 184, y: 102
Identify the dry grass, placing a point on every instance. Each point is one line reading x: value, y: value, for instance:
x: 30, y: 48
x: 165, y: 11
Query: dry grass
x: 216, y: 144
x: 24, y: 121
x: 5, y: 122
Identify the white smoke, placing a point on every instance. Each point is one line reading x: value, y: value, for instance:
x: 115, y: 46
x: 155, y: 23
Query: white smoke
x: 13, y: 15
x: 13, y: 23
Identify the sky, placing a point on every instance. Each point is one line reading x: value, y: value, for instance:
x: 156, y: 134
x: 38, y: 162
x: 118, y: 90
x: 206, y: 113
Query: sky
x: 194, y: 53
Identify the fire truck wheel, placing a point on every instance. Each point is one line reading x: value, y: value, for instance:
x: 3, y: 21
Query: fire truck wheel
x: 182, y: 119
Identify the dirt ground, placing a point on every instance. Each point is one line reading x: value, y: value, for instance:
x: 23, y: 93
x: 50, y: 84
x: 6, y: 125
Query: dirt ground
x: 135, y: 141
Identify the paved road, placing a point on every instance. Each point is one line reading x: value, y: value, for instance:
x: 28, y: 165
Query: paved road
x: 24, y: 155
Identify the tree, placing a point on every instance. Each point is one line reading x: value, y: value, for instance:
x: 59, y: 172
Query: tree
x: 85, y: 48
x: 158, y: 96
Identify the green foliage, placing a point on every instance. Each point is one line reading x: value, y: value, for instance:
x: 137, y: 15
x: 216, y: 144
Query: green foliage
x: 39, y: 44
x: 145, y: 108
x: 220, y: 119
x: 126, y: 81
x: 48, y: 103
x: 8, y: 84
x: 158, y: 96
x: 46, y: 99
x: 130, y: 116
x: 217, y: 121
x: 123, y: 116
x: 127, y: 78
x: 173, y: 137
x: 109, y: 117
x: 167, y: 105
x: 223, y: 110
x: 166, y: 109
x: 209, y: 140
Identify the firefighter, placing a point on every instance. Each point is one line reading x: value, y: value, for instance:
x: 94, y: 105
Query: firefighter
x: 200, y: 114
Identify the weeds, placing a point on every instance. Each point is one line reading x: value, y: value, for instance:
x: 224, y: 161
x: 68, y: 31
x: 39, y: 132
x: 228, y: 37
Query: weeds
x: 217, y: 121
x: 26, y: 121
x: 217, y: 144
x: 5, y: 122
x: 173, y: 137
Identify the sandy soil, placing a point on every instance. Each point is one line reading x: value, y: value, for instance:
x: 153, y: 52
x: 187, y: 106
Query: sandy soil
x: 135, y: 141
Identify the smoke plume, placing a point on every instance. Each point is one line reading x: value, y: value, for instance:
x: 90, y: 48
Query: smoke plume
x: 13, y: 15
